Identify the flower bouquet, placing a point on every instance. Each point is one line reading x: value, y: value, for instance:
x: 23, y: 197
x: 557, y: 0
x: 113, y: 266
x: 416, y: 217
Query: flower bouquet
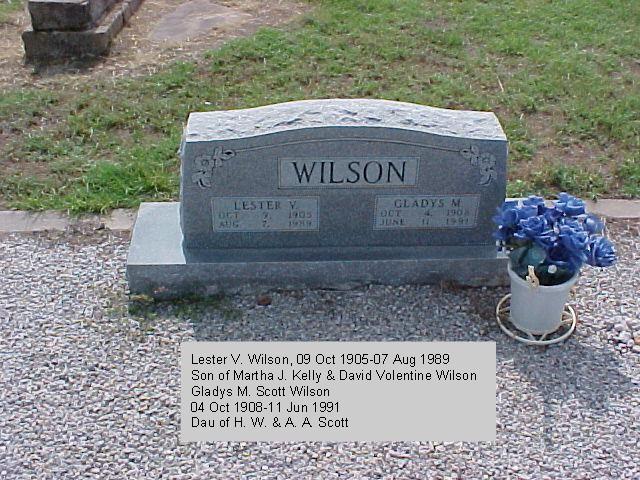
x: 547, y: 247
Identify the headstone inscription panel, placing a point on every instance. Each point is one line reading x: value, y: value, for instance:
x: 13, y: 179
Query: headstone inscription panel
x: 335, y: 186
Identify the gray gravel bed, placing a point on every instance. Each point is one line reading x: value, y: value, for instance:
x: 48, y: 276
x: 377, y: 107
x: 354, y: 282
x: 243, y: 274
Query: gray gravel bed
x: 90, y: 381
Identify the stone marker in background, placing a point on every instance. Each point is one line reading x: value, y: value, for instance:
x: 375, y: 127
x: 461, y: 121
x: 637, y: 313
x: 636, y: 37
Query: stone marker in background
x: 67, y: 14
x: 72, y: 29
x: 327, y: 193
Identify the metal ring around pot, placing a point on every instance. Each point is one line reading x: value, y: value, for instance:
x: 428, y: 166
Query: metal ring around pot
x: 570, y: 319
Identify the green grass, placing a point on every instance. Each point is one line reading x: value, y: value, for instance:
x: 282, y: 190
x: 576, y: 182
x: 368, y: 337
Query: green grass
x: 560, y: 75
x: 191, y: 308
x: 8, y: 8
x: 630, y: 171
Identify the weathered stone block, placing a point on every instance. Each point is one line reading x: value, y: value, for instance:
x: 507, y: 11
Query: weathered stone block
x: 53, y: 45
x: 67, y: 14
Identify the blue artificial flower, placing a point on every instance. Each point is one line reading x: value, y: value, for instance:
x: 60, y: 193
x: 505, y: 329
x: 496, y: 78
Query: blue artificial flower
x: 602, y: 253
x: 526, y: 211
x: 570, y: 222
x: 507, y: 216
x: 576, y: 244
x: 569, y: 205
x: 533, y: 226
x: 559, y: 257
x: 511, y: 213
x: 552, y: 215
x: 593, y: 224
x: 572, y: 238
x: 568, y: 235
x: 535, y: 201
x: 508, y: 220
x: 565, y: 258
x: 503, y: 234
x: 547, y: 239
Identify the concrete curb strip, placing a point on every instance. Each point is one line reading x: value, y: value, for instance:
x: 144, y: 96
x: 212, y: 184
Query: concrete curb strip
x: 25, y: 222
x: 123, y: 219
x: 615, y: 208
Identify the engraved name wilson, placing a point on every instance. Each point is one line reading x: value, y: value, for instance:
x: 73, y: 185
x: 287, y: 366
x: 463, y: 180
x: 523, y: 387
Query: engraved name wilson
x: 347, y: 172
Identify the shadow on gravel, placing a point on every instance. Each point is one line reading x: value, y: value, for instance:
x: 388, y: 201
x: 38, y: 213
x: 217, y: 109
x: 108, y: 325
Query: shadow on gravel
x: 574, y: 380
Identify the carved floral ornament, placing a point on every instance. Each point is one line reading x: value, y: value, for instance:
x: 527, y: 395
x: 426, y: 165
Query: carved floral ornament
x: 486, y: 162
x: 206, y: 163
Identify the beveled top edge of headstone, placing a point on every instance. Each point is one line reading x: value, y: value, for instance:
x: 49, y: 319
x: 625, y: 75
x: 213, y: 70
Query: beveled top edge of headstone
x: 281, y: 117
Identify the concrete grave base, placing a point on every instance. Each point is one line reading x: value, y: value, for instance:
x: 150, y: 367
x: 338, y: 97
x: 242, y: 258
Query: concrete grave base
x: 50, y: 45
x: 158, y: 266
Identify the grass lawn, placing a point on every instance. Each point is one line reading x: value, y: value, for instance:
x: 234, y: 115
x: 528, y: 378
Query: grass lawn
x: 7, y: 7
x: 562, y: 76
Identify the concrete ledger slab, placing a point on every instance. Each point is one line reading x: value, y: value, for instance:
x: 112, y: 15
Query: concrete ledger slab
x: 195, y: 18
x: 158, y: 265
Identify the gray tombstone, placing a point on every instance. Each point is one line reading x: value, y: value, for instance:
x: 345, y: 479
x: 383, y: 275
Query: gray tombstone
x: 74, y: 29
x: 67, y: 14
x: 327, y: 193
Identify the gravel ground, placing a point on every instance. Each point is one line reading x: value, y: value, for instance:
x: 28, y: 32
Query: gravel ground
x: 90, y: 383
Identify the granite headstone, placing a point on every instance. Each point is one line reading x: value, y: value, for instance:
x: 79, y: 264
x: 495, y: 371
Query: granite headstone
x: 327, y: 193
